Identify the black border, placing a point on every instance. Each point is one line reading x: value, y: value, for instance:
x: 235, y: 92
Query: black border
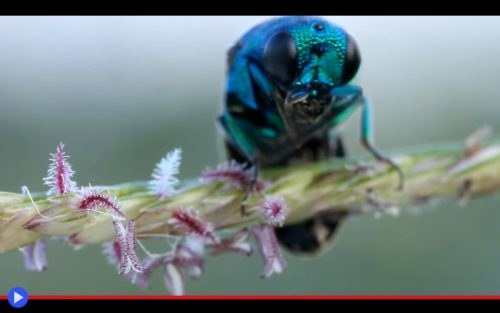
x: 251, y: 7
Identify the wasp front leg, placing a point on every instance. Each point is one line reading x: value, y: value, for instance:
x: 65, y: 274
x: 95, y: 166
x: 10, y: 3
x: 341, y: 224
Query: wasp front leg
x: 368, y: 142
x: 247, y: 121
x: 252, y: 184
x: 241, y: 149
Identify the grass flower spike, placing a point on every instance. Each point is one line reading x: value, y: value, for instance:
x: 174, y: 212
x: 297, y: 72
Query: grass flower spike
x: 204, y: 216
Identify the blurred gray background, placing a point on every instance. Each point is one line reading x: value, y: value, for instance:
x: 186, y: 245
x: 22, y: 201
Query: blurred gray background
x: 122, y: 91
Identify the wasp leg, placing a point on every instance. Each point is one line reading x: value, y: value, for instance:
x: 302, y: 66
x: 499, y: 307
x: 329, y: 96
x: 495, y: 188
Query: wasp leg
x: 337, y: 147
x: 254, y: 175
x: 368, y: 143
x: 236, y: 155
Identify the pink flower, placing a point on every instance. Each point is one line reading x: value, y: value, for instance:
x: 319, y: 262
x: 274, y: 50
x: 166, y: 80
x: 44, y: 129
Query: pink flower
x: 236, y: 243
x: 175, y: 265
x: 274, y: 210
x: 174, y: 279
x: 35, y: 257
x: 113, y: 252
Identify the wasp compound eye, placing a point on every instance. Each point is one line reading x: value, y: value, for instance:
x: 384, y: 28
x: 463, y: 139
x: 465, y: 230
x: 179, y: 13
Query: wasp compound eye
x: 352, y: 60
x: 280, y: 57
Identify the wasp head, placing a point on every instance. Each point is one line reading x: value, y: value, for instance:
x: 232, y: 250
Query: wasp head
x: 306, y: 60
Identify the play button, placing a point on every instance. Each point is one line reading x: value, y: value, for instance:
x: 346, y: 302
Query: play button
x: 18, y: 297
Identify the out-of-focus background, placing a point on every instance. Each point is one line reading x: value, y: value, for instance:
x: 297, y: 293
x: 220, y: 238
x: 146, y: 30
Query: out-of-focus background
x: 122, y: 91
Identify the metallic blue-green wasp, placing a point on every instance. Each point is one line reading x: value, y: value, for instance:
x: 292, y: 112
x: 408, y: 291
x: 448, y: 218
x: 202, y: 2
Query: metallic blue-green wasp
x: 288, y: 86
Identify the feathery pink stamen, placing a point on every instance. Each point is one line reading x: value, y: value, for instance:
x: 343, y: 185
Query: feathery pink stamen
x: 173, y: 262
x: 126, y: 240
x: 237, y: 243
x: 35, y: 257
x: 233, y: 174
x: 193, y: 225
x: 60, y: 173
x: 269, y: 249
x: 113, y: 252
x: 164, y: 178
x: 93, y: 200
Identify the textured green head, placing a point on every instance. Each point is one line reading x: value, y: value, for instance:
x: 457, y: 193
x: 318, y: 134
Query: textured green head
x: 308, y: 57
x: 321, y: 50
x: 312, y: 51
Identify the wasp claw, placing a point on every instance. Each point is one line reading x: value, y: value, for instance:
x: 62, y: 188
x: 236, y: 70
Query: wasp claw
x: 248, y: 192
x: 374, y: 151
x: 243, y: 210
x: 395, y: 166
x: 401, y: 176
x: 465, y: 191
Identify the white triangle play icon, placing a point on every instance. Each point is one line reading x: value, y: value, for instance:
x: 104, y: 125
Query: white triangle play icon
x: 17, y: 297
